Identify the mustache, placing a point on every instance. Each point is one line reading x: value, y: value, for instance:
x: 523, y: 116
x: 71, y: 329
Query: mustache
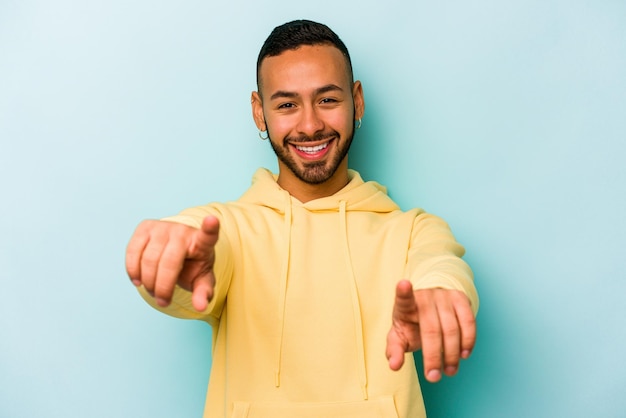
x: 321, y: 136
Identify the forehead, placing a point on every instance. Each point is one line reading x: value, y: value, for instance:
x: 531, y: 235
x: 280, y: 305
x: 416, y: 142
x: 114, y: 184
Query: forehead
x: 308, y: 67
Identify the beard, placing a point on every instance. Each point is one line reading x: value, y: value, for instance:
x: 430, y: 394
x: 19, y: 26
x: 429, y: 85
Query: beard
x: 315, y: 172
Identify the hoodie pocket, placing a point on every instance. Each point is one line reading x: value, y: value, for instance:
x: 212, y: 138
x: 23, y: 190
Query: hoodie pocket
x: 375, y: 408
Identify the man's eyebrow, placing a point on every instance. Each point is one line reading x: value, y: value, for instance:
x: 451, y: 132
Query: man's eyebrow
x: 291, y: 95
x: 283, y: 94
x: 328, y: 88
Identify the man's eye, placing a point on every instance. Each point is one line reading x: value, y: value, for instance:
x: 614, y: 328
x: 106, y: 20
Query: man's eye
x: 286, y: 106
x: 327, y: 100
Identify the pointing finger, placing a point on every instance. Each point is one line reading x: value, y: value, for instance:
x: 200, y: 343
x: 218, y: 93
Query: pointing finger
x: 403, y: 336
x: 405, y: 306
x: 202, y: 291
x: 205, y: 238
x: 395, y: 351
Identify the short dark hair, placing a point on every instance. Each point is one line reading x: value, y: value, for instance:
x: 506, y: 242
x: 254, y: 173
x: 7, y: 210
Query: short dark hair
x: 296, y: 33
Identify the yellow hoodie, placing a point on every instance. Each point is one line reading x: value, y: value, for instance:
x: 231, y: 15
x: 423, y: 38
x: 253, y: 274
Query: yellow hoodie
x: 304, y: 297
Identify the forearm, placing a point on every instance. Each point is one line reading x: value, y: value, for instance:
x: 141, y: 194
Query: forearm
x: 434, y: 259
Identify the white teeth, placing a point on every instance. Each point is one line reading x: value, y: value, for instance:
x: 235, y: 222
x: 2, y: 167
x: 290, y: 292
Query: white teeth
x: 312, y: 150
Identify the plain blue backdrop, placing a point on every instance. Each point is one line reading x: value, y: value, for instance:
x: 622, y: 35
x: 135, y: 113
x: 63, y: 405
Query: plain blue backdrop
x: 508, y: 119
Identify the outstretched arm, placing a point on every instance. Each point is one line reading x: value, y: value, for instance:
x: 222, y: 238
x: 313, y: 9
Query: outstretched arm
x: 161, y: 255
x: 440, y: 322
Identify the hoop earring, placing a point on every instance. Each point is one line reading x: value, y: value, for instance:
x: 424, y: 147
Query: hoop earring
x: 358, y: 126
x: 267, y: 135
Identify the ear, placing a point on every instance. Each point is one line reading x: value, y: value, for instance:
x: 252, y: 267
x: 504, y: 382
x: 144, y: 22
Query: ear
x: 359, y: 101
x: 257, y: 111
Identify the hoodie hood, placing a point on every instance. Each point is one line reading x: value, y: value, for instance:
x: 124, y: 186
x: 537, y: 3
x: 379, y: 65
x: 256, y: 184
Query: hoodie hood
x: 357, y: 195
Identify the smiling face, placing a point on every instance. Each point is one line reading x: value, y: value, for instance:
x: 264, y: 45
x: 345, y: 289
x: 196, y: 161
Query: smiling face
x: 308, y: 105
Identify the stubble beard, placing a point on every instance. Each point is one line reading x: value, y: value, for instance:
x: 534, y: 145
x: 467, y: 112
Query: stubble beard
x: 315, y: 172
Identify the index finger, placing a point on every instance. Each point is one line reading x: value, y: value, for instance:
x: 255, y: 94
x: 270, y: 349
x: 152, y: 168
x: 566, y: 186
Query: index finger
x: 205, y: 239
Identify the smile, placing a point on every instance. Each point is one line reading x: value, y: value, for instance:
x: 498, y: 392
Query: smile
x: 311, y: 150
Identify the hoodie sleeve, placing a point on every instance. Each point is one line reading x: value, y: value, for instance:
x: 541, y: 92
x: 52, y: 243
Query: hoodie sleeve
x: 181, y: 306
x: 434, y: 259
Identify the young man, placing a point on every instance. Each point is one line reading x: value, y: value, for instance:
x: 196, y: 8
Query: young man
x: 315, y: 282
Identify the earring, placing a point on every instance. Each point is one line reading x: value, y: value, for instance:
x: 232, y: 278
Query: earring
x: 267, y: 135
x: 358, y: 126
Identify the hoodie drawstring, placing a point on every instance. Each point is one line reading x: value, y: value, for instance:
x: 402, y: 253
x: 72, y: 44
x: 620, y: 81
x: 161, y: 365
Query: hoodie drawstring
x: 356, y: 306
x: 282, y: 298
x: 354, y: 296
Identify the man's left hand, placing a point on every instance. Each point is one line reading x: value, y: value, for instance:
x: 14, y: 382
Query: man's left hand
x: 440, y: 322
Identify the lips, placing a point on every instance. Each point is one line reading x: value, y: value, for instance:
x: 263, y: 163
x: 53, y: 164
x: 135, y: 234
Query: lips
x: 312, y: 152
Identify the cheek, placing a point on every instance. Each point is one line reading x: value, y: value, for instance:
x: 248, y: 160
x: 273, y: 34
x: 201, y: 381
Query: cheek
x: 340, y: 121
x: 279, y: 126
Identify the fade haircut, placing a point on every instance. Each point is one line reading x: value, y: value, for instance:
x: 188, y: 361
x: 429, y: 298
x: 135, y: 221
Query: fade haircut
x: 293, y: 35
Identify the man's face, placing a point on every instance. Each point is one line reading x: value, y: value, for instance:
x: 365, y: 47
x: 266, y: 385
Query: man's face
x: 307, y: 105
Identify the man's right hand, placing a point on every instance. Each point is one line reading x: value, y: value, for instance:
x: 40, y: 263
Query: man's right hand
x: 161, y: 254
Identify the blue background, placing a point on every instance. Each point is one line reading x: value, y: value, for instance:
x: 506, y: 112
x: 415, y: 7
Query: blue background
x: 508, y: 119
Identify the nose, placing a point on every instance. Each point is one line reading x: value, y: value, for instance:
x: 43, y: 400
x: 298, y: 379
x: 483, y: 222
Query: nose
x: 310, y: 121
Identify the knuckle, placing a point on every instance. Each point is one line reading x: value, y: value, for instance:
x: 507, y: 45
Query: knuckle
x: 467, y: 343
x: 423, y: 296
x: 163, y: 289
x: 151, y: 255
x: 451, y: 361
x: 433, y: 359
x: 145, y: 227
x: 170, y: 261
x: 177, y: 230
x: 468, y: 321
x: 430, y: 332
x: 450, y: 330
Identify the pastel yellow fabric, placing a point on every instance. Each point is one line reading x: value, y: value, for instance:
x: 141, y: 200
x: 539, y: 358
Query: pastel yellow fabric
x: 304, y: 296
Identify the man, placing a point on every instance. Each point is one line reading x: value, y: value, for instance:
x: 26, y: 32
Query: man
x: 316, y: 284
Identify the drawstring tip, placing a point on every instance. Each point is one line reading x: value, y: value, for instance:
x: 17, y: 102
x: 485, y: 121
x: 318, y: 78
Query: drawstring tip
x: 277, y: 379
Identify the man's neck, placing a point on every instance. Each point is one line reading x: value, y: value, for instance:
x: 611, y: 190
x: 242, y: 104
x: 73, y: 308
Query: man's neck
x: 305, y: 192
